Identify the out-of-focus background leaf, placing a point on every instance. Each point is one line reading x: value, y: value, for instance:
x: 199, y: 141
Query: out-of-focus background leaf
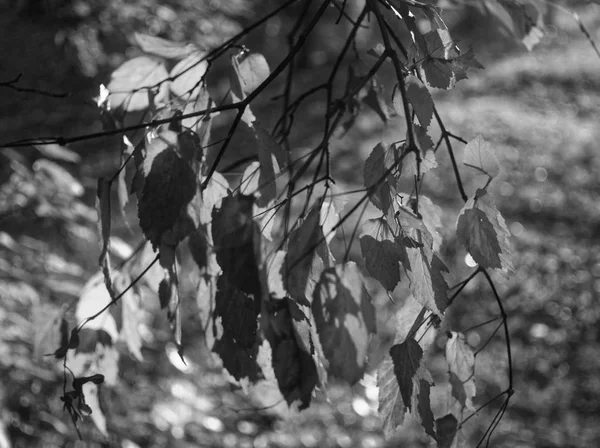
x: 539, y: 110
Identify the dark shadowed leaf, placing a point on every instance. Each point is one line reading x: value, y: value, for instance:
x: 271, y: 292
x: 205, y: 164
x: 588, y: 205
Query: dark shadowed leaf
x: 379, y: 178
x: 345, y: 319
x: 129, y: 84
x: 461, y: 364
x: 420, y: 99
x: 476, y: 232
x: 446, y: 428
x: 414, y: 381
x: 235, y: 234
x: 169, y: 184
x: 293, y: 366
x: 407, y: 358
x: 235, y: 327
x: 382, y: 252
x: 188, y: 76
x: 163, y: 47
x: 481, y: 228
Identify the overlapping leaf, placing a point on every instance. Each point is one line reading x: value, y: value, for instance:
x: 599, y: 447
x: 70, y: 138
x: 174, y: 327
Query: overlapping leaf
x: 169, y: 184
x: 345, y: 319
x: 423, y: 267
x: 130, y: 83
x: 420, y: 99
x: 235, y: 329
x: 379, y: 176
x: 480, y: 156
x: 235, y: 235
x: 188, y: 76
x: 461, y: 365
x: 382, y: 252
x: 483, y: 232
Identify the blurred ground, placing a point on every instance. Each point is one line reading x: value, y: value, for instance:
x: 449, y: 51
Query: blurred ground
x: 540, y: 110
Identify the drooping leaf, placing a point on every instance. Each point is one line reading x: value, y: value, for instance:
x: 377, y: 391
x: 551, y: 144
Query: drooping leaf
x: 423, y: 140
x: 484, y: 231
x: 420, y: 99
x: 212, y: 196
x: 345, y: 319
x: 382, y: 252
x: 251, y: 70
x: 446, y: 428
x: 130, y: 83
x: 58, y: 152
x: 423, y: 267
x: 293, y: 366
x: 477, y: 234
x: 414, y: 381
x: 235, y: 235
x: 408, y: 167
x: 250, y: 182
x: 299, y: 260
x: 131, y: 316
x: 526, y: 20
x: 163, y: 47
x: 461, y: 364
x: 51, y: 331
x: 406, y: 357
x: 188, y: 76
x: 91, y: 393
x: 479, y: 155
x: 104, y: 215
x: 391, y: 407
x: 94, y: 298
x: 431, y: 215
x: 274, y: 264
x: 169, y: 184
x: 235, y: 330
x: 379, y: 178
x: 444, y: 63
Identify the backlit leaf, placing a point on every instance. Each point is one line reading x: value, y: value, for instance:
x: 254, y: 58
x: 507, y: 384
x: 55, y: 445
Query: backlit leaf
x: 188, y: 76
x: 391, y: 407
x: 379, y: 178
x: 461, y: 364
x: 163, y: 47
x: 129, y: 84
x: 251, y: 70
x: 345, y: 319
x: 420, y: 99
x: 479, y: 155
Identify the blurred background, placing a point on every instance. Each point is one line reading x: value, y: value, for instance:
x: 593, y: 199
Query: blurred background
x: 540, y: 111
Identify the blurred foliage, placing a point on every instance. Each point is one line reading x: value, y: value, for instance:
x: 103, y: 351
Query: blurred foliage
x: 547, y: 140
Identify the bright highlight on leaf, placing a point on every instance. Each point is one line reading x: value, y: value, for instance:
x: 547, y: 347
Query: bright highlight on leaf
x: 461, y: 365
x: 479, y: 155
